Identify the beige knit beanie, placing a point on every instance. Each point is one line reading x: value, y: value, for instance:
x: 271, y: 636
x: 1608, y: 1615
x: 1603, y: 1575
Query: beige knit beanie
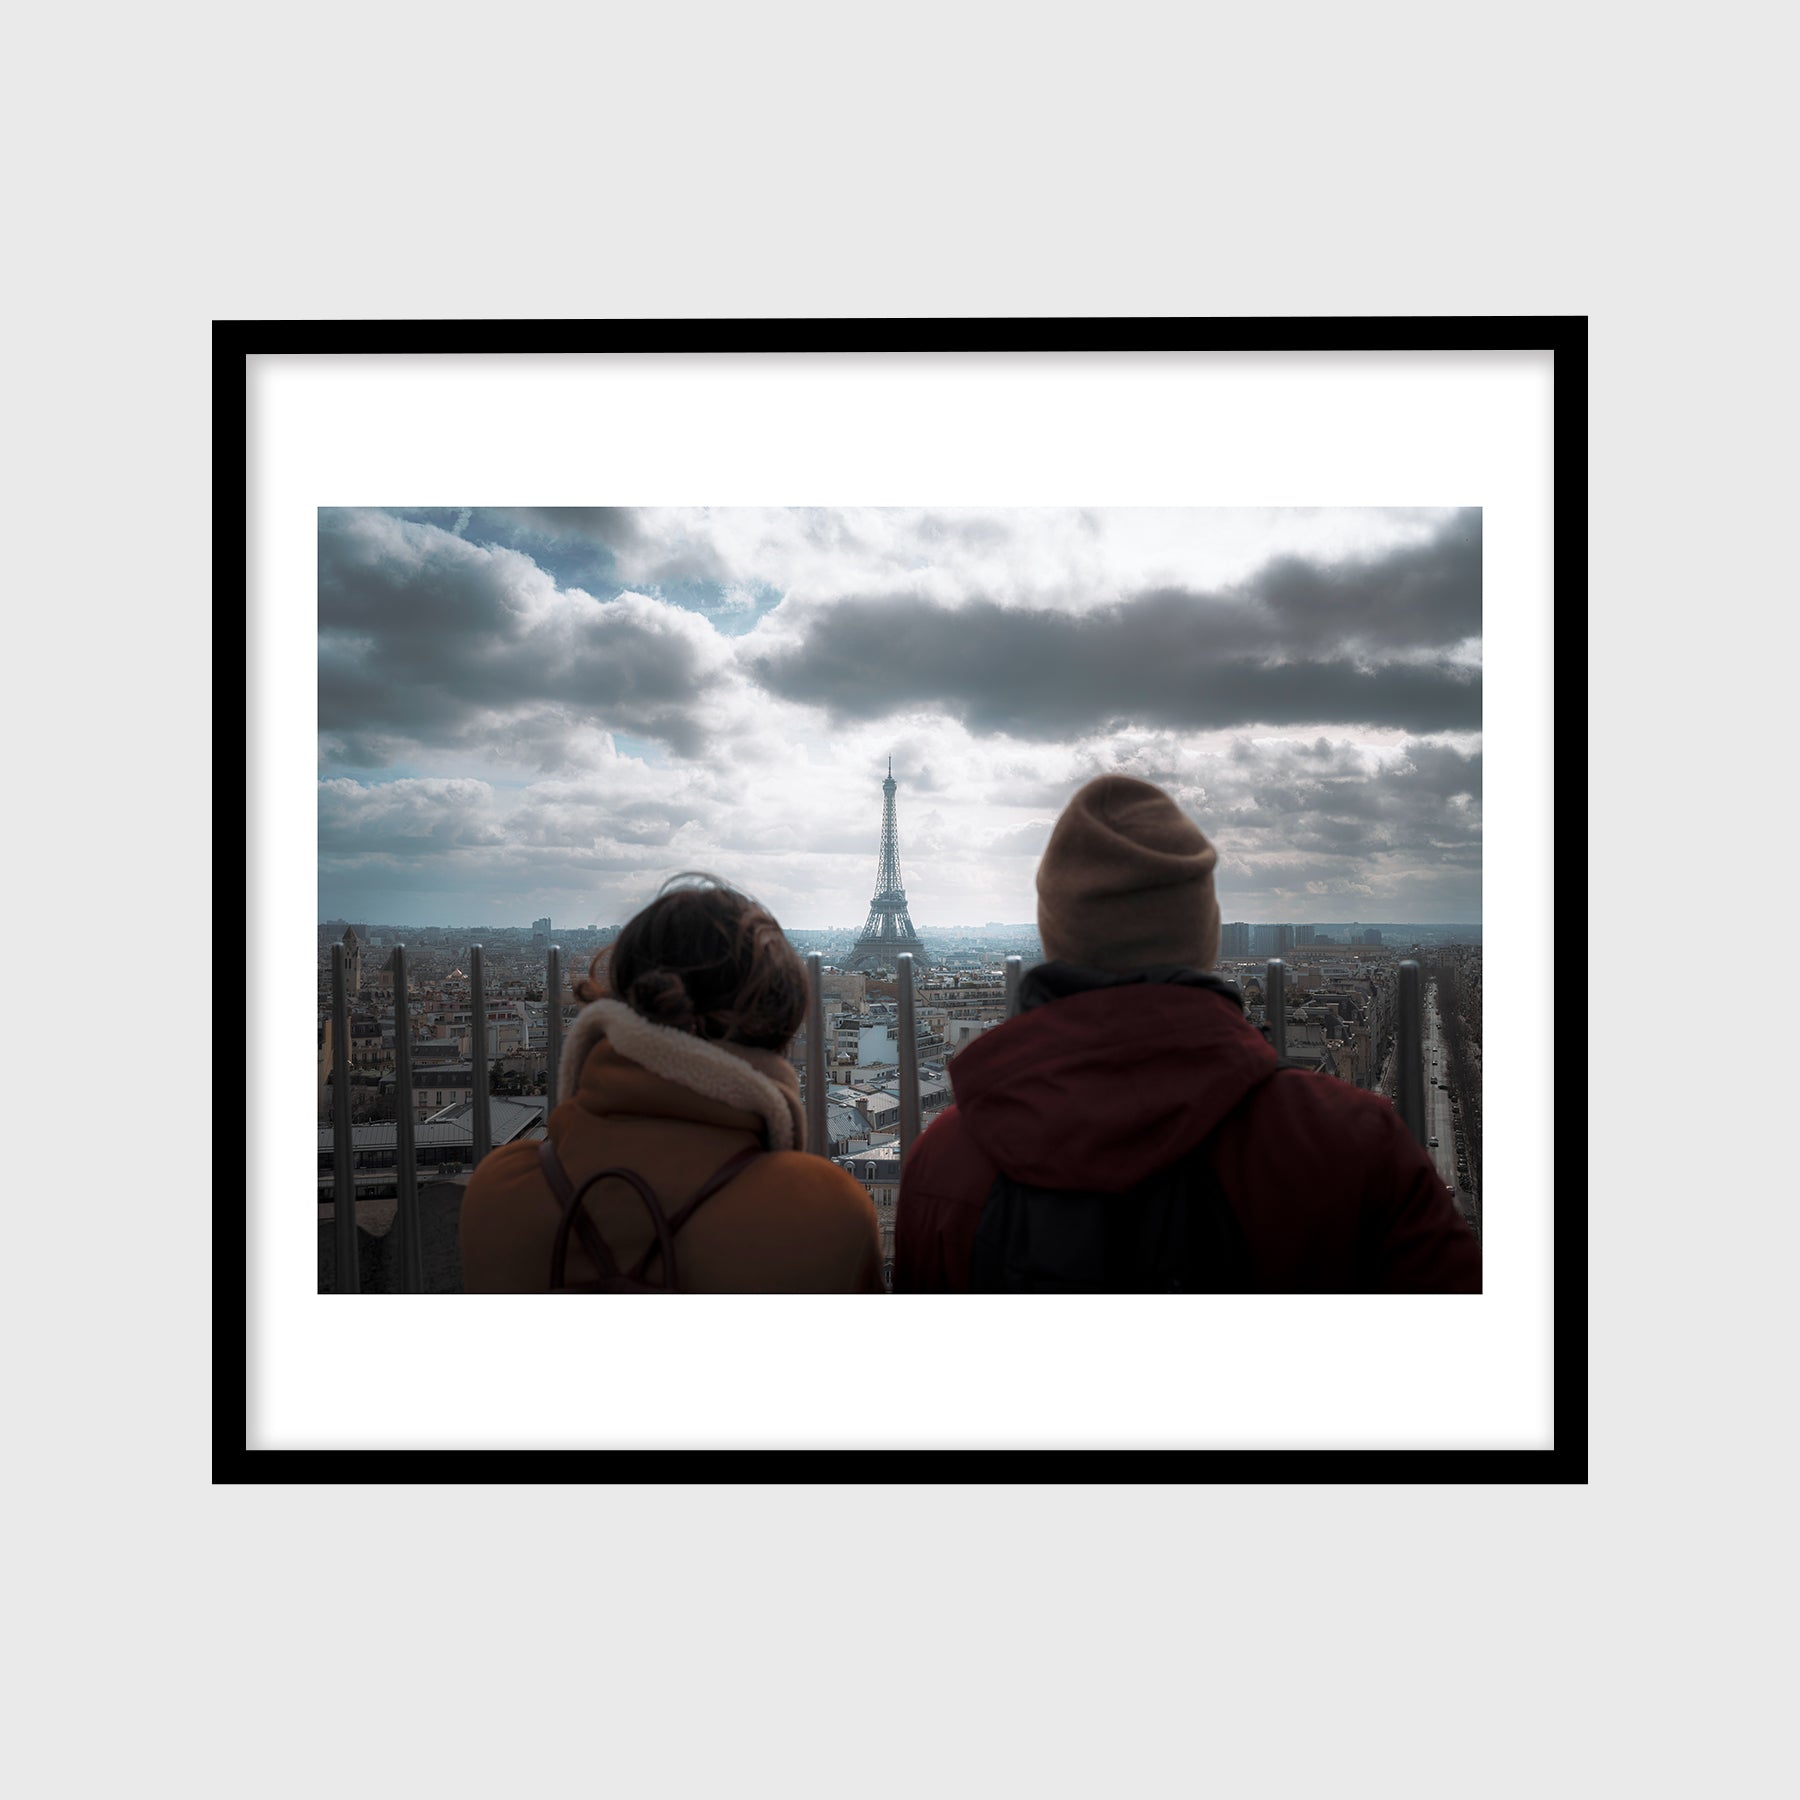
x: 1126, y: 882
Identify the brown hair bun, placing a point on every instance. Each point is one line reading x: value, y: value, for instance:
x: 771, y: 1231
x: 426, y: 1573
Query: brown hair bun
x: 662, y: 997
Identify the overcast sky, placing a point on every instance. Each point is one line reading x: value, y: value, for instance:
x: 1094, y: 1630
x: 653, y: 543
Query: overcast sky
x: 531, y: 710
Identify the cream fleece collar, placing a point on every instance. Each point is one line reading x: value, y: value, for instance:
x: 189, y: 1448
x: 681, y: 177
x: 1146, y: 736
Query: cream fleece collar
x: 731, y: 1073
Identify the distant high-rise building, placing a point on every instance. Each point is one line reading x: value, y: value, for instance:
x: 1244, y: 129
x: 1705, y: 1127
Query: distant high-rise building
x: 1372, y: 935
x: 540, y: 934
x: 1303, y: 935
x: 1234, y: 939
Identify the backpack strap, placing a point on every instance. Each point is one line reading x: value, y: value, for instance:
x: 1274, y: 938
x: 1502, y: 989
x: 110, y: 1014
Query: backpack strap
x: 575, y: 1217
x: 550, y: 1166
x: 725, y: 1172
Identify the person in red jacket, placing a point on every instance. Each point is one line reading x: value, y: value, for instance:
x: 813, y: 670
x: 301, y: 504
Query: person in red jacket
x: 1130, y: 1130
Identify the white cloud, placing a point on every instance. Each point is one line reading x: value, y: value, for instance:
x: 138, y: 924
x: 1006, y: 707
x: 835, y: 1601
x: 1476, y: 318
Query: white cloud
x: 564, y: 750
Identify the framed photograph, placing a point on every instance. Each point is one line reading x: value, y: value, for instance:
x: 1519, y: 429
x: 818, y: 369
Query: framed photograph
x: 542, y: 618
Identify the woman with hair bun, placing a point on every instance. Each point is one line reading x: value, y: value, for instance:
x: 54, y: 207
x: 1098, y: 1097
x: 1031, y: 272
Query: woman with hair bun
x: 678, y: 1136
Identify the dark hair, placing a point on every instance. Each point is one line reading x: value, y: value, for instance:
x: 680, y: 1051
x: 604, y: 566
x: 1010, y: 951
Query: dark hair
x: 702, y: 957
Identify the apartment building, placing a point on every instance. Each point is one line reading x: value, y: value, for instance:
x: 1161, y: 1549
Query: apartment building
x: 449, y: 1084
x: 878, y: 1170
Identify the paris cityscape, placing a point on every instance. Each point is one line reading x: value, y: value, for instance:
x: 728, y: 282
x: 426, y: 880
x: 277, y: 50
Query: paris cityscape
x: 1339, y: 994
x: 451, y: 798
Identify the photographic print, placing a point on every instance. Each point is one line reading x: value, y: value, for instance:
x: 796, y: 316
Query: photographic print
x: 895, y: 899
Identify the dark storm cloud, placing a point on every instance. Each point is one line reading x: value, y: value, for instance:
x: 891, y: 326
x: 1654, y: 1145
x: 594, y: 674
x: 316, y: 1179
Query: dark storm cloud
x: 578, y: 545
x: 614, y: 526
x: 1286, y: 778
x: 591, y: 813
x: 409, y: 819
x: 620, y: 532
x: 1363, y: 642
x: 1420, y: 594
x: 1049, y: 675
x: 425, y: 638
x: 1304, y: 828
x: 1318, y: 829
x: 476, y: 838
x: 1328, y: 799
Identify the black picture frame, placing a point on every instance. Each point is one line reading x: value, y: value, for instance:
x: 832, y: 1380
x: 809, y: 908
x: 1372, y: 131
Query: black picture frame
x: 1563, y: 337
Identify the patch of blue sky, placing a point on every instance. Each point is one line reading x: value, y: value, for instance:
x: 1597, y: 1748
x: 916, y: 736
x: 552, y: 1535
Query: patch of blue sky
x: 732, y: 610
x: 571, y: 561
x: 571, y: 557
x: 373, y: 774
x: 640, y: 749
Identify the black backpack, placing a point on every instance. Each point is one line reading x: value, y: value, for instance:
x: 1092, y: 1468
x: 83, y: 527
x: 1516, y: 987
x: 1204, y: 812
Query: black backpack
x: 613, y: 1280
x: 1173, y: 1233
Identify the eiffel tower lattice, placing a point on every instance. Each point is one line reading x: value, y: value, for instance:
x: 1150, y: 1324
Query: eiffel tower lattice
x: 889, y: 928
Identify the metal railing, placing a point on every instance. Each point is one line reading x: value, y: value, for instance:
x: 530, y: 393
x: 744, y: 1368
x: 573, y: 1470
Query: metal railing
x: 553, y: 1044
x: 1409, y: 1039
x: 909, y: 1054
x: 343, y: 1182
x: 343, y: 1218
x: 481, y: 1116
x: 1275, y: 1004
x: 1409, y: 1078
x: 816, y: 1063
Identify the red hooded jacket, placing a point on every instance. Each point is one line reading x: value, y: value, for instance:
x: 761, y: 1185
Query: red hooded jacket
x: 1100, y: 1089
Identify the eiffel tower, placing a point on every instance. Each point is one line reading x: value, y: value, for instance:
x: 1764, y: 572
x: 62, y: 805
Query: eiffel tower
x: 889, y: 929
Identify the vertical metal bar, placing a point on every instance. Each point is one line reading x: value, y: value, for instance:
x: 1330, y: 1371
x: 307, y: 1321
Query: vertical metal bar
x: 1275, y: 1004
x: 553, y: 993
x: 479, y: 1116
x: 343, y: 1160
x: 1015, y: 966
x: 1409, y: 1052
x: 412, y: 1272
x: 909, y: 1055
x: 817, y: 1140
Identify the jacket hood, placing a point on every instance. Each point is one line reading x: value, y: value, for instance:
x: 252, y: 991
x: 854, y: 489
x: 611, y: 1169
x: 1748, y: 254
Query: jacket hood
x: 1101, y: 1080
x: 734, y: 1077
